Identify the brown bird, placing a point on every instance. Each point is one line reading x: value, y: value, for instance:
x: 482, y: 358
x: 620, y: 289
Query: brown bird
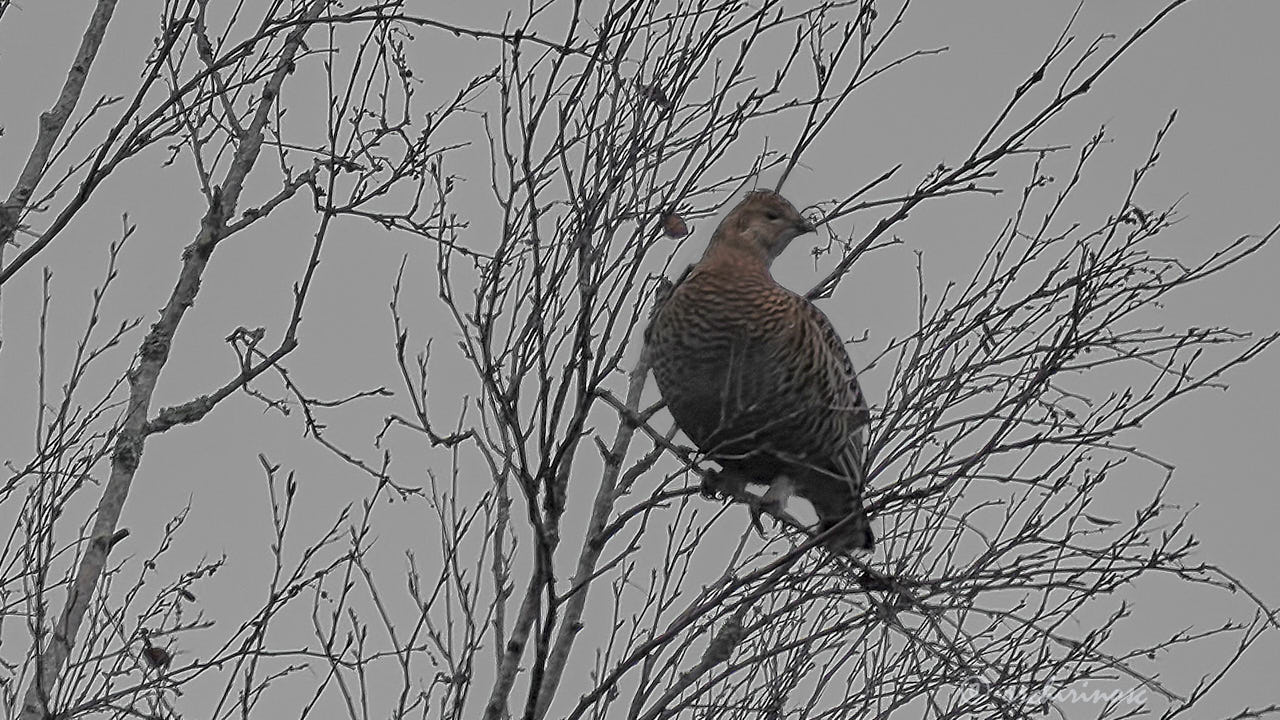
x: 757, y: 377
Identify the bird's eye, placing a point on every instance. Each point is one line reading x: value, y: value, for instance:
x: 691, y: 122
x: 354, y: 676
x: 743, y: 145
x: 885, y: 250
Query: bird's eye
x: 772, y: 215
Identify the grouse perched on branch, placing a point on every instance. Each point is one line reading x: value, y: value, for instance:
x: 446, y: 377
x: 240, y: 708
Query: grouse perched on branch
x: 757, y: 377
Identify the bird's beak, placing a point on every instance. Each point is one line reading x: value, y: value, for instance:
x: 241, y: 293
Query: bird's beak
x: 805, y: 227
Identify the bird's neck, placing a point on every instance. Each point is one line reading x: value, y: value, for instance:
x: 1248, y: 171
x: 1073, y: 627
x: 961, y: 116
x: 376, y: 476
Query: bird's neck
x: 730, y: 258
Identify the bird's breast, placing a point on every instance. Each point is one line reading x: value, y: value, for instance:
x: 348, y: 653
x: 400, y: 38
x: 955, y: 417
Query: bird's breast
x: 715, y: 354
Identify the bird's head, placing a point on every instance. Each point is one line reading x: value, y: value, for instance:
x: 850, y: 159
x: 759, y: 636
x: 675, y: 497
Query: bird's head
x: 762, y: 226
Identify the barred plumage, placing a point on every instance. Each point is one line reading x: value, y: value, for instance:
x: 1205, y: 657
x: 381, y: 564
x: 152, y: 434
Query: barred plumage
x: 756, y: 375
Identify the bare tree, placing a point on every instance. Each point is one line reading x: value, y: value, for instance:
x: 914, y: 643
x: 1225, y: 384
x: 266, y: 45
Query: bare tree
x: 561, y: 499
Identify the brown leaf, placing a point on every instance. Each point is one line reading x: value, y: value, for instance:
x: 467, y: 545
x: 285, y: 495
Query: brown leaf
x: 156, y: 657
x: 673, y: 226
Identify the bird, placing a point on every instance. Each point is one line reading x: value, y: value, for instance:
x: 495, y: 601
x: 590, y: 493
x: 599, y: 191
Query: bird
x: 758, y: 378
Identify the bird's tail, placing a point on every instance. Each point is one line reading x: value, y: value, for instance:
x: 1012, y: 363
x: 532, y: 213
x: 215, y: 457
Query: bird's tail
x: 838, y: 504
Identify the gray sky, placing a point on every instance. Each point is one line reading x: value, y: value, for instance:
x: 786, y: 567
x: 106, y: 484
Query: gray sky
x: 1213, y: 61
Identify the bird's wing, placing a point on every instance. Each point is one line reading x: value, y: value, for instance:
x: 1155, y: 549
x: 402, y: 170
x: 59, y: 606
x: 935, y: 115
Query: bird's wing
x: 836, y: 498
x: 848, y: 395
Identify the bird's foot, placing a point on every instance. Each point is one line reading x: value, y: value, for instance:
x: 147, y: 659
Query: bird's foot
x: 712, y: 485
x: 774, y: 501
x: 756, y: 509
x: 717, y: 484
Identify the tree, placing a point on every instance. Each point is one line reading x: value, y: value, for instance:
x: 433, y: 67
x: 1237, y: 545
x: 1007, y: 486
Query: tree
x: 560, y: 491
